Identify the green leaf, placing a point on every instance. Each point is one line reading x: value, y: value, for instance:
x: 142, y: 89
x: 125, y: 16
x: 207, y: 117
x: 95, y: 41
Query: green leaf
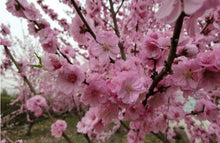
x: 39, y: 58
x: 37, y: 66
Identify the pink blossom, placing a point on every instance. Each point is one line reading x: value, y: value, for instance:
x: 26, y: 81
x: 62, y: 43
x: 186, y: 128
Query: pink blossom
x: 5, y: 42
x: 69, y: 77
x: 19, y: 141
x: 4, y: 141
x: 206, y: 59
x: 43, y: 31
x: 134, y: 112
x: 35, y: 104
x: 68, y: 51
x: 170, y: 134
x: 31, y: 13
x: 151, y: 49
x: 88, y: 121
x: 51, y: 62
x: 170, y: 10
x: 206, y: 110
x: 95, y: 93
x: 5, y: 31
x: 129, y: 86
x: 175, y: 113
x: 159, y: 124
x: 50, y: 45
x: 107, y: 47
x: 210, y: 80
x: 58, y: 128
x: 187, y: 74
x: 15, y: 8
x: 79, y: 31
x: 214, y: 128
x: 217, y: 58
x: 188, y: 50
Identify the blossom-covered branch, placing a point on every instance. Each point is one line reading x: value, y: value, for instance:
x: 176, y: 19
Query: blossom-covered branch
x: 172, y: 55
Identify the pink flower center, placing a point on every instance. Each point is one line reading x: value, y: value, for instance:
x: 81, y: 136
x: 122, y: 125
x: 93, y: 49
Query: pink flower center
x: 177, y: 115
x: 105, y: 47
x: 128, y: 88
x: 72, y: 78
x: 188, y: 74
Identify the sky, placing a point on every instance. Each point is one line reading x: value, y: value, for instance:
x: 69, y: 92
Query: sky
x: 18, y: 27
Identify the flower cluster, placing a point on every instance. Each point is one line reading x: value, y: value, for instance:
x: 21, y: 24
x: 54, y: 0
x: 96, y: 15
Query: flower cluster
x: 58, y: 128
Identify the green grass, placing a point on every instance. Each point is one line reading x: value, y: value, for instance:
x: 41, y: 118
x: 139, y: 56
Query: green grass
x: 40, y: 132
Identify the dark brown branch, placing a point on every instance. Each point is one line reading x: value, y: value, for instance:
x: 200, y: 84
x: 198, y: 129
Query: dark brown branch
x: 124, y: 125
x: 120, y: 44
x: 20, y: 70
x: 68, y: 60
x: 196, y: 113
x: 114, y: 18
x: 83, y: 19
x: 181, y: 134
x: 172, y: 54
x: 67, y: 138
x: 119, y: 7
x: 208, y: 22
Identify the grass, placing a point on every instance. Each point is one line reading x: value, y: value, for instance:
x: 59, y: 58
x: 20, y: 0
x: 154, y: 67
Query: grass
x: 40, y: 132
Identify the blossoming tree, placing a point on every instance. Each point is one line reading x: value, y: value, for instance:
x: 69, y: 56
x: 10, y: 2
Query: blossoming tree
x: 140, y: 61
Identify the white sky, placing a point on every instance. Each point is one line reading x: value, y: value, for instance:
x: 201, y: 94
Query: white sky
x: 18, y: 27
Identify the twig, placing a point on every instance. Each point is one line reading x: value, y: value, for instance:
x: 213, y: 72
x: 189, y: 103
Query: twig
x: 114, y: 18
x: 20, y: 70
x: 68, y: 60
x: 172, y: 54
x: 124, y: 125
x: 119, y: 7
x: 83, y: 19
x: 208, y: 22
x: 196, y: 113
x: 7, y: 138
x: 120, y: 44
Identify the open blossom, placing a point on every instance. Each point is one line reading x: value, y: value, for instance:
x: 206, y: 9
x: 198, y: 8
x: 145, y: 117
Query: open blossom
x: 51, y: 62
x: 151, y: 49
x: 69, y: 77
x: 58, y: 128
x: 170, y: 10
x: 129, y: 86
x: 175, y: 113
x: 35, y: 104
x: 88, y: 121
x: 206, y: 109
x: 108, y: 47
x: 79, y: 31
x: 206, y: 59
x: 95, y: 93
x: 187, y: 74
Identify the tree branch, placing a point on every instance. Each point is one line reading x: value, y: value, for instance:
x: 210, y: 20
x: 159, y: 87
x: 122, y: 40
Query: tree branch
x: 172, y: 54
x: 20, y: 70
x: 83, y: 19
x: 119, y: 7
x: 120, y: 44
